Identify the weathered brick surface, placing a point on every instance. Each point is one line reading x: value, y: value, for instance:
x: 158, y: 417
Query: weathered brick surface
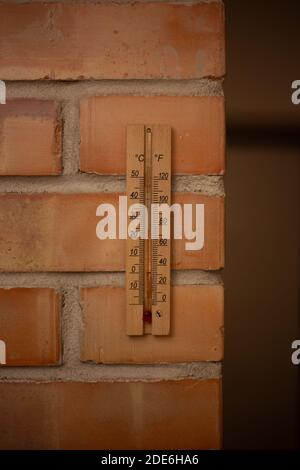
x: 121, y: 52
x: 30, y: 137
x: 57, y: 232
x: 196, y: 332
x: 183, y: 414
x: 30, y: 326
x: 65, y: 41
x: 197, y: 122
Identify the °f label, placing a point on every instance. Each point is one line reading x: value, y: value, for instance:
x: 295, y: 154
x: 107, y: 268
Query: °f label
x: 148, y: 258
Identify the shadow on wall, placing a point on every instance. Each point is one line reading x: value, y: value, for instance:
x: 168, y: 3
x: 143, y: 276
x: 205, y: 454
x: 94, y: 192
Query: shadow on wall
x: 262, y: 275
x: 262, y: 281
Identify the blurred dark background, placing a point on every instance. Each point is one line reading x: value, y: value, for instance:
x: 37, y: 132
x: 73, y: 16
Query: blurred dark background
x: 262, y: 275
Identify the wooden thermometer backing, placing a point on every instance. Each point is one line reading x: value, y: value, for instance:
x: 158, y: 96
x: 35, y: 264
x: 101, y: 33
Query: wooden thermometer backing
x: 148, y: 259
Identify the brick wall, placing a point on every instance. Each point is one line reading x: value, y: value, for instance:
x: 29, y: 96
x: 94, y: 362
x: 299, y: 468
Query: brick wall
x: 76, y: 74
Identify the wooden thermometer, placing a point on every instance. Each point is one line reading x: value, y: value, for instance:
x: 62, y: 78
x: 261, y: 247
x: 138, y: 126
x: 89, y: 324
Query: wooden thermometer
x: 148, y: 257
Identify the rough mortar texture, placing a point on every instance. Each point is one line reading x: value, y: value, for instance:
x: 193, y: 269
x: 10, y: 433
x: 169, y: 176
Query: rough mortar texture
x: 74, y: 91
x: 79, y: 372
x: 83, y: 183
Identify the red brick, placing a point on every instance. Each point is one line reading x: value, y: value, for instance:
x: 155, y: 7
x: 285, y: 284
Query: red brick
x: 183, y: 414
x: 30, y: 138
x: 197, y: 131
x: 30, y: 326
x: 63, y: 41
x: 196, y: 327
x: 57, y: 232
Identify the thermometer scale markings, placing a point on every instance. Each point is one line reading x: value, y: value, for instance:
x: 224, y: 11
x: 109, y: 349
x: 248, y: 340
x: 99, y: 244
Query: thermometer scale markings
x: 148, y: 261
